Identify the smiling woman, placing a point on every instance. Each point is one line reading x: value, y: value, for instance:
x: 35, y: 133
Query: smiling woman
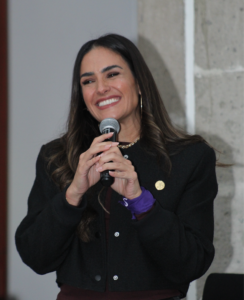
x: 153, y: 233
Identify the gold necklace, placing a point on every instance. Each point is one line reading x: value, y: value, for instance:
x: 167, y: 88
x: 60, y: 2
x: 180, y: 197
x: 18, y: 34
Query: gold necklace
x: 129, y: 145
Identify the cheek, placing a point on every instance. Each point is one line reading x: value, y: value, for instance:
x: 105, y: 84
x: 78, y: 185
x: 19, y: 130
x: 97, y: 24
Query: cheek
x: 87, y: 95
x: 128, y: 88
x: 133, y: 94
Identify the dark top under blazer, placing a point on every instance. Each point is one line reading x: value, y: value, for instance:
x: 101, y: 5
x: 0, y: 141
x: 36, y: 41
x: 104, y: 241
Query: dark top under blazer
x: 168, y: 248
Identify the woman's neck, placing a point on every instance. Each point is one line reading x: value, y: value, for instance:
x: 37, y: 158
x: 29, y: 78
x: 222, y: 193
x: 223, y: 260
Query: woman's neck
x: 129, y: 131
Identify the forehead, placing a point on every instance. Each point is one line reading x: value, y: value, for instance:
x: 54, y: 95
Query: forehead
x: 99, y: 58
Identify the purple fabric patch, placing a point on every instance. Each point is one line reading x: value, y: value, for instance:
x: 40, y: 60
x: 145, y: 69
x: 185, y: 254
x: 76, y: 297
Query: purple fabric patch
x: 140, y: 204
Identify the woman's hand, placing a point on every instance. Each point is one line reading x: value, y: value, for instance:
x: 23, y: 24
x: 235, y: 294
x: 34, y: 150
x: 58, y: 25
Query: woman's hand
x: 125, y: 178
x: 86, y: 174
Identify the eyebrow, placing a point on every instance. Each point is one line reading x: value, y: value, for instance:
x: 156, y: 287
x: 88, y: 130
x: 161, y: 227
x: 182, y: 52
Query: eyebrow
x: 103, y: 70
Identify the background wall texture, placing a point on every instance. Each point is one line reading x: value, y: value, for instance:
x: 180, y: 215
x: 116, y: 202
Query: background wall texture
x: 219, y: 100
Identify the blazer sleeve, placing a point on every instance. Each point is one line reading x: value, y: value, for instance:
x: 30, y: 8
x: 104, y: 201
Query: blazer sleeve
x: 44, y: 236
x: 181, y: 242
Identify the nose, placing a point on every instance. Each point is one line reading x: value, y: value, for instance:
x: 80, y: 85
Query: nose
x: 102, y: 86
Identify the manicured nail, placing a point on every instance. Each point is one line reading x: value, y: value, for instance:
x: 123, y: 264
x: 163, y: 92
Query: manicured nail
x: 115, y: 144
x: 99, y: 169
x: 108, y: 146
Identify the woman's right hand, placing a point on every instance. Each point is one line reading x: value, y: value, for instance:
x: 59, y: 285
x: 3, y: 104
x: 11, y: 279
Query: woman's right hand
x: 86, y: 174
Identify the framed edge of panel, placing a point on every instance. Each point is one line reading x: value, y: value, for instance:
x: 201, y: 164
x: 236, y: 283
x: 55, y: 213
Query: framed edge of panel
x: 3, y: 147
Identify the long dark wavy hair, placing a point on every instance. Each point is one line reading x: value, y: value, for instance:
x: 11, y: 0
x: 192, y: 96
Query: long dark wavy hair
x: 158, y: 136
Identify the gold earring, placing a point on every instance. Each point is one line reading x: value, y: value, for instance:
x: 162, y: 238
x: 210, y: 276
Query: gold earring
x: 141, y: 104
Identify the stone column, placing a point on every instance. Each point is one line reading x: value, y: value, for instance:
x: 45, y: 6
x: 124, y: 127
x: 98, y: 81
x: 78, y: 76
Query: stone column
x: 219, y: 87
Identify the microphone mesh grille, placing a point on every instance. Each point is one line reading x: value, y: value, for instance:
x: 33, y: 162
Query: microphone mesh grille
x: 109, y: 123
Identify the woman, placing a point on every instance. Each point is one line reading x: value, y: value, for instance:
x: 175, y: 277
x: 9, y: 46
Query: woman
x: 148, y: 235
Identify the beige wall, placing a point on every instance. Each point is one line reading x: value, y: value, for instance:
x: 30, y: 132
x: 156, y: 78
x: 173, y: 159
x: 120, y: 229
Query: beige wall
x: 219, y: 99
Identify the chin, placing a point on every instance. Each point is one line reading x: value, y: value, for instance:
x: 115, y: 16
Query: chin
x: 112, y: 116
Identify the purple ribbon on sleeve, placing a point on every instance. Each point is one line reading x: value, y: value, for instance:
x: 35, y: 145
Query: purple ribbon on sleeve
x: 140, y: 204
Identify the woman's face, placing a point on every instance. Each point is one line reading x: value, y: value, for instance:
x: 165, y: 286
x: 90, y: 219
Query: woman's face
x: 108, y: 86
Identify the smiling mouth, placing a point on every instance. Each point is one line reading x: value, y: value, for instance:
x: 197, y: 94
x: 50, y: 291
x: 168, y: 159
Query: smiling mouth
x: 107, y: 102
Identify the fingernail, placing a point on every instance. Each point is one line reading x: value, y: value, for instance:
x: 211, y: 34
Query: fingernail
x: 108, y: 146
x: 115, y: 144
x: 99, y: 169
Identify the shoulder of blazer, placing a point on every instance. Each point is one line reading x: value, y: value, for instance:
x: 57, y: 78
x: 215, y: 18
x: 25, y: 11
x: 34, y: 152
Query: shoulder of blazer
x: 191, y: 153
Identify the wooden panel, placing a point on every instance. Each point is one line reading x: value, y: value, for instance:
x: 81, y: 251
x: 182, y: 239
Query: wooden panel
x: 3, y: 146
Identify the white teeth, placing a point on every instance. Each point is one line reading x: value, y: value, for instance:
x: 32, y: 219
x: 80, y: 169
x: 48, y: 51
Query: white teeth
x: 109, y: 101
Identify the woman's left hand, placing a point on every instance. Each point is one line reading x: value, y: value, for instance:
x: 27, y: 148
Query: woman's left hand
x: 125, y: 178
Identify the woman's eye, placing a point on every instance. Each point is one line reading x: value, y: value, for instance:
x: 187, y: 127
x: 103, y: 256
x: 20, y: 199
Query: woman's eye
x: 113, y: 74
x: 87, y: 81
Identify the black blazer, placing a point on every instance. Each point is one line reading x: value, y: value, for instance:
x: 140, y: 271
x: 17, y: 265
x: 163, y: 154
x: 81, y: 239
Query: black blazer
x: 168, y: 248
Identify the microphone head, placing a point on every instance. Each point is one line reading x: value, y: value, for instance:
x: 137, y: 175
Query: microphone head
x: 109, y: 123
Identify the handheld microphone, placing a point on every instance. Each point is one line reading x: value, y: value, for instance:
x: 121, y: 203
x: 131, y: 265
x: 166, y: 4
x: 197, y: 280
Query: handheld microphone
x: 107, y: 126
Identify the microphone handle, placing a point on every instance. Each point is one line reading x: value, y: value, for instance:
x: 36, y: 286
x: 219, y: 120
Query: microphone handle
x: 105, y: 178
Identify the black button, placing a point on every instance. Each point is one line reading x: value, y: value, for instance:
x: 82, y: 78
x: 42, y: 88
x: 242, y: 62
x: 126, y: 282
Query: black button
x: 98, y: 277
x: 98, y: 234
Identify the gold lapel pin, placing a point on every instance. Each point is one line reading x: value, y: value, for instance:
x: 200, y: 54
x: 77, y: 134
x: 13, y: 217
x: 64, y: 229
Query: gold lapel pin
x: 160, y: 185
